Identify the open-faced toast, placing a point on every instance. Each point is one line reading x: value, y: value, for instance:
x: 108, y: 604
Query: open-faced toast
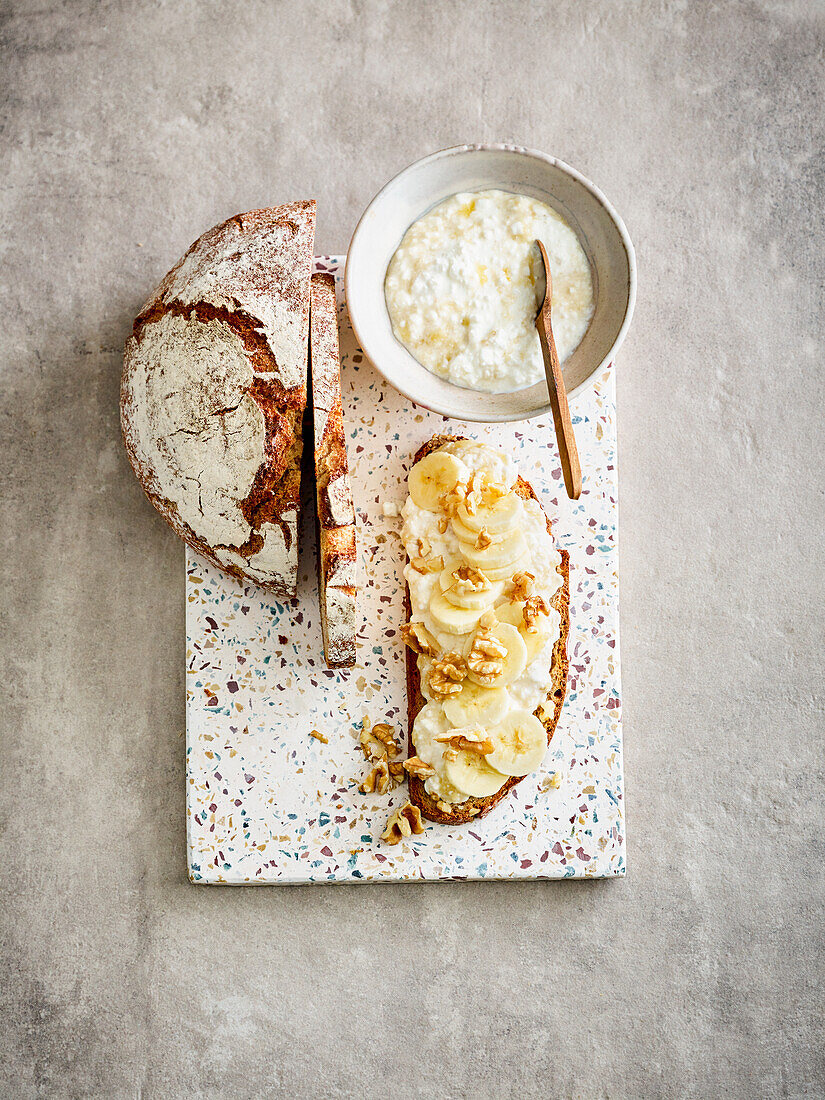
x: 547, y: 712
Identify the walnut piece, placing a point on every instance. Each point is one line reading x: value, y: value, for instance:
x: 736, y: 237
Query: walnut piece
x: 445, y: 807
x: 475, y: 490
x: 443, y: 524
x: 486, y: 658
x: 427, y: 565
x: 468, y: 740
x: 396, y: 768
x: 419, y: 639
x: 482, y: 491
x: 493, y: 491
x: 403, y: 823
x: 377, y: 780
x: 377, y: 742
x: 379, y: 745
x: 385, y: 734
x: 520, y: 587
x: 450, y: 501
x: 468, y: 579
x: 483, y: 540
x: 446, y: 675
x: 416, y: 766
x: 533, y: 607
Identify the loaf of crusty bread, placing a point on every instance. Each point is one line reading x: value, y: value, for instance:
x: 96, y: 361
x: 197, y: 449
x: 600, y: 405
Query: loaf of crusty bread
x: 214, y: 391
x: 547, y: 712
x: 334, y: 505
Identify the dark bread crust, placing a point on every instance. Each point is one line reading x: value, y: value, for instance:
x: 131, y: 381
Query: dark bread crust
x: 225, y: 276
x: 477, y: 807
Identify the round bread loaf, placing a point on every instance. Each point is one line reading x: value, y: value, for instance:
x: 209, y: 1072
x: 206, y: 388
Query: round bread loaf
x: 214, y: 391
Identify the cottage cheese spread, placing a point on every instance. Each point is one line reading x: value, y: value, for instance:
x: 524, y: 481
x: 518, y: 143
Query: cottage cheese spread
x: 457, y: 492
x: 460, y: 289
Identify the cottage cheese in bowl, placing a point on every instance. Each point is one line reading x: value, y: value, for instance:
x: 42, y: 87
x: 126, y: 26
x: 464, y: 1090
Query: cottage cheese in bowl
x: 460, y: 289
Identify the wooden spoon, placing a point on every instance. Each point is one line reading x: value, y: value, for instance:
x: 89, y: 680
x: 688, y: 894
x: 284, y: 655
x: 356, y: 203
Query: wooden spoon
x: 555, y: 384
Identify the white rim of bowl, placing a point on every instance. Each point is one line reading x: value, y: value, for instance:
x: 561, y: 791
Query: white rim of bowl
x: 598, y: 194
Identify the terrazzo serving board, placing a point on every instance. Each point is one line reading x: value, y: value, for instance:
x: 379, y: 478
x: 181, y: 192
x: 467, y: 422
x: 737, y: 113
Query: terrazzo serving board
x: 268, y: 803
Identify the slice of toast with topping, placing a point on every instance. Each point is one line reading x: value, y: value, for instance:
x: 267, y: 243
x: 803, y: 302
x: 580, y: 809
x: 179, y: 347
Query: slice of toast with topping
x: 548, y: 711
x: 335, y: 512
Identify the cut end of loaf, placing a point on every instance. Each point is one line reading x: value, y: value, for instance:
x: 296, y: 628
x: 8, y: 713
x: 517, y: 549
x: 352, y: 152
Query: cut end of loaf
x: 213, y: 391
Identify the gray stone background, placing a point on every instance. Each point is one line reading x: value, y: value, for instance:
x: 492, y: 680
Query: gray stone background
x: 128, y: 128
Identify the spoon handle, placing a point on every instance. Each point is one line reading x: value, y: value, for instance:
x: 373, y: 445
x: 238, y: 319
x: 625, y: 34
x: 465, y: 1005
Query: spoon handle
x: 558, y: 402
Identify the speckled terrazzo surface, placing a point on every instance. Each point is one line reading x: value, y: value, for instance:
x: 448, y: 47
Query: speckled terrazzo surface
x: 127, y: 127
x: 269, y: 803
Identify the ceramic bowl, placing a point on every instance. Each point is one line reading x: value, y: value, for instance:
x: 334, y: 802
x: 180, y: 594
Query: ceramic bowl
x: 475, y: 168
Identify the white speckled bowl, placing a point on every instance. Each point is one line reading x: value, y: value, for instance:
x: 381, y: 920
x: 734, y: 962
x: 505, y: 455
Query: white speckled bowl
x: 475, y: 168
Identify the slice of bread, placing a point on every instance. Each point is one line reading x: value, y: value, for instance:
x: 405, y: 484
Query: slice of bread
x: 548, y: 712
x: 335, y: 512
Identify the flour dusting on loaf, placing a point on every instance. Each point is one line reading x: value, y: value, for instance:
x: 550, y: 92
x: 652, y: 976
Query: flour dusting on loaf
x: 214, y: 389
x: 334, y: 502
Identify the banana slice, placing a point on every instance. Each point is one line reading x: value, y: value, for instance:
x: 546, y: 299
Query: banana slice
x: 520, y: 742
x: 510, y: 613
x: 472, y: 775
x: 475, y: 705
x: 500, y: 560
x: 498, y: 516
x: 504, y: 572
x: 461, y: 595
x: 436, y: 474
x: 466, y: 534
x: 511, y: 665
x: 455, y: 643
x: 548, y: 626
x: 452, y: 619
